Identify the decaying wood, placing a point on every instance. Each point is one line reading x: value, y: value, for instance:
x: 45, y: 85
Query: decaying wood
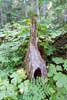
x: 34, y: 63
x: 61, y: 40
x: 59, y: 43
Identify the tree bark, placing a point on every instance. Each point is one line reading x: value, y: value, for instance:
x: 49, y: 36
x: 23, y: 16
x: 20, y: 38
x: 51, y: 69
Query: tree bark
x: 35, y: 65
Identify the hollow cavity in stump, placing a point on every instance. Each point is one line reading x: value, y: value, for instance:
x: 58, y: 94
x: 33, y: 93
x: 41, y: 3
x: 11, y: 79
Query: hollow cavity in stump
x: 37, y: 73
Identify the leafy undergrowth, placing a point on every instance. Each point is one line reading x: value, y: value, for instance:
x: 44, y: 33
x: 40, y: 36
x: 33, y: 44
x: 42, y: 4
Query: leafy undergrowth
x: 14, y: 84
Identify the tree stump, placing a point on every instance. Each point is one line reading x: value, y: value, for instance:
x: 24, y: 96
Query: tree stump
x: 35, y: 65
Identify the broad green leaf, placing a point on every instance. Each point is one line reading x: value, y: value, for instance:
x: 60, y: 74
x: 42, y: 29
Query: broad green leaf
x: 61, y: 80
x: 58, y: 68
x: 51, y: 70
x: 58, y: 60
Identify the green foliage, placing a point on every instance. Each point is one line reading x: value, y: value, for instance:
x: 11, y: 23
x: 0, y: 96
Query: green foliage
x: 58, y: 60
x: 18, y: 76
x: 53, y: 87
x: 8, y: 55
x: 61, y: 80
x: 58, y: 78
x: 17, y: 87
x: 7, y: 90
x: 14, y: 84
x: 52, y: 70
x: 12, y: 49
x: 65, y: 64
x: 33, y: 90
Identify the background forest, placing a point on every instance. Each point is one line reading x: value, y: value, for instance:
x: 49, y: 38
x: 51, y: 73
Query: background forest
x: 15, y: 22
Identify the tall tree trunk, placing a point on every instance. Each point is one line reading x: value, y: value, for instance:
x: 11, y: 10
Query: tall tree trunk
x: 1, y: 17
x: 25, y: 6
x: 37, y: 5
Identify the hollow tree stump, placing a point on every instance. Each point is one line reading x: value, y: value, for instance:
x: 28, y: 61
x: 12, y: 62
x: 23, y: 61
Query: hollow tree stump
x: 35, y: 65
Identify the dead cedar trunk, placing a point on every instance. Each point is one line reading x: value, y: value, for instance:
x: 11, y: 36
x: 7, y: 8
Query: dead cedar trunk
x: 35, y: 65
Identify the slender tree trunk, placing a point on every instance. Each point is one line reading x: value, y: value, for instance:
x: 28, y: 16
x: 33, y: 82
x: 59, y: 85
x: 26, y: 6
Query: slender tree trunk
x: 25, y: 6
x: 1, y: 17
x: 37, y: 4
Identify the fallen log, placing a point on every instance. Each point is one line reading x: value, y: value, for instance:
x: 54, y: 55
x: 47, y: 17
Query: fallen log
x: 60, y: 43
x: 35, y: 65
x: 61, y: 40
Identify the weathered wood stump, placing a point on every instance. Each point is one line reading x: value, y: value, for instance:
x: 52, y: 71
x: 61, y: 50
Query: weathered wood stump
x: 35, y: 65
